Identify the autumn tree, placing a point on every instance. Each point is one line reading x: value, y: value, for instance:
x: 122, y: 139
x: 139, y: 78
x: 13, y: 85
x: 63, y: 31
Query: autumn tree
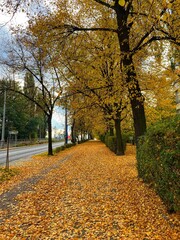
x: 157, y: 77
x: 27, y: 55
x: 137, y: 25
x: 96, y: 79
x: 110, y: 110
x: 30, y: 90
x: 86, y: 119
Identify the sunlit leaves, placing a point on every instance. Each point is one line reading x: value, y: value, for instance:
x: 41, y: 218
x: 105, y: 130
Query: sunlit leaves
x: 122, y: 3
x: 142, y: 23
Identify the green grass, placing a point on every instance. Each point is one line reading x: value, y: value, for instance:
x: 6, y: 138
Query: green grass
x: 6, y: 175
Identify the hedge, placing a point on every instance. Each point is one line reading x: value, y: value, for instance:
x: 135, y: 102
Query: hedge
x: 110, y: 142
x: 63, y: 147
x: 158, y: 156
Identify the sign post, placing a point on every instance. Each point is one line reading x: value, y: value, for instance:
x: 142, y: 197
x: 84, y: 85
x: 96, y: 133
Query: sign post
x: 14, y: 132
x: 7, y: 155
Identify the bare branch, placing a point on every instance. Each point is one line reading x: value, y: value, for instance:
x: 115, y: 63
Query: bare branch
x: 29, y: 98
x: 156, y: 38
x: 139, y: 45
x: 71, y: 29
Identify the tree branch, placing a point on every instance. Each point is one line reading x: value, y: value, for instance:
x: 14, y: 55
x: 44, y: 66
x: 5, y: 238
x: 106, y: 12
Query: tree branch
x: 29, y: 98
x: 171, y: 38
x: 71, y: 29
x: 142, y: 40
x: 155, y: 38
x: 104, y: 4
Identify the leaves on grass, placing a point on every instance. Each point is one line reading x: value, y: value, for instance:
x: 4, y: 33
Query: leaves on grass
x: 92, y: 195
x: 7, y: 174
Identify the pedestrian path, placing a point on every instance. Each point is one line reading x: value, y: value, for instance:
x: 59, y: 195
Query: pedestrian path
x: 92, y: 194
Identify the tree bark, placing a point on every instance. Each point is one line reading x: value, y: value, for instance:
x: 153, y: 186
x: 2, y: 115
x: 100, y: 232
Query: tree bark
x: 119, y: 142
x: 49, y: 121
x: 135, y: 95
x: 138, y: 117
x: 136, y: 99
x: 73, y: 135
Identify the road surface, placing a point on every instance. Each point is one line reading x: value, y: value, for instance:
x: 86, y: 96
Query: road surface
x: 18, y: 153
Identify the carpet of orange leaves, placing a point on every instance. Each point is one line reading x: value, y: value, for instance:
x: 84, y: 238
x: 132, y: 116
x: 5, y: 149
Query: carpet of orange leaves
x: 86, y: 192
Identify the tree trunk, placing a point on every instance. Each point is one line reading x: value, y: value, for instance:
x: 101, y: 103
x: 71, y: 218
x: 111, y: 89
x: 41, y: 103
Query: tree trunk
x: 139, y: 118
x: 73, y: 135
x: 136, y: 99
x: 66, y: 127
x: 49, y: 121
x: 119, y: 142
x: 135, y: 95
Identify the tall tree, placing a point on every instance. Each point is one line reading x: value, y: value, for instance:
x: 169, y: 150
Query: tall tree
x: 30, y: 90
x: 29, y: 56
x: 97, y: 80
x: 137, y: 24
x: 36, y: 124
x: 17, y: 115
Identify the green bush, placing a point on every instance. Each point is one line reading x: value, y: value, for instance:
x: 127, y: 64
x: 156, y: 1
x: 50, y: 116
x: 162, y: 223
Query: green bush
x: 102, y: 138
x: 128, y: 137
x: 158, y: 160
x: 69, y: 145
x: 125, y: 140
x: 106, y: 139
x: 61, y: 148
x: 110, y: 142
x: 82, y: 141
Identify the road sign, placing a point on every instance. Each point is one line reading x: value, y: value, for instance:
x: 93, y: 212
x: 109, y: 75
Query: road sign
x: 13, y: 132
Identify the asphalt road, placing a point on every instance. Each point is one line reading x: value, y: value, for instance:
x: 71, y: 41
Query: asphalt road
x: 18, y: 153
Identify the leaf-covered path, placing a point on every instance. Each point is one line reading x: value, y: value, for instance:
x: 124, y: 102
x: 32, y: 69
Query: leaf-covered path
x: 91, y: 194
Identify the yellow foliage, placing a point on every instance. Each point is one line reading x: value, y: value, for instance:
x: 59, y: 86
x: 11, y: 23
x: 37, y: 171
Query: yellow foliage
x: 122, y: 2
x: 90, y: 62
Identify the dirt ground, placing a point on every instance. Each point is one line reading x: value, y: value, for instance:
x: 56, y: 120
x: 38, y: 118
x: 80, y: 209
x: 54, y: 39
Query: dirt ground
x: 85, y: 192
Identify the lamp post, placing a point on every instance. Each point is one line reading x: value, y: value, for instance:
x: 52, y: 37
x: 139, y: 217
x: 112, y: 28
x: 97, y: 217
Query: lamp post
x: 3, y: 120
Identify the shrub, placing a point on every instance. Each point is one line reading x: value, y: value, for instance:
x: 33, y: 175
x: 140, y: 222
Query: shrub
x: 158, y: 160
x: 61, y: 148
x: 110, y: 142
x: 58, y: 149
x: 128, y: 137
x: 102, y: 138
x: 82, y: 141
x: 70, y: 145
x: 125, y: 140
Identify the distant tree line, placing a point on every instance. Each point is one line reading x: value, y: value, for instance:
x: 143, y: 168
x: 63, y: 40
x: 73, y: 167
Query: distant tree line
x: 21, y: 114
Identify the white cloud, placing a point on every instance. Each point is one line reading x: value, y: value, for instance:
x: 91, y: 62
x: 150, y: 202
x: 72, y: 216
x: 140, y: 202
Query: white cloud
x: 8, y: 20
